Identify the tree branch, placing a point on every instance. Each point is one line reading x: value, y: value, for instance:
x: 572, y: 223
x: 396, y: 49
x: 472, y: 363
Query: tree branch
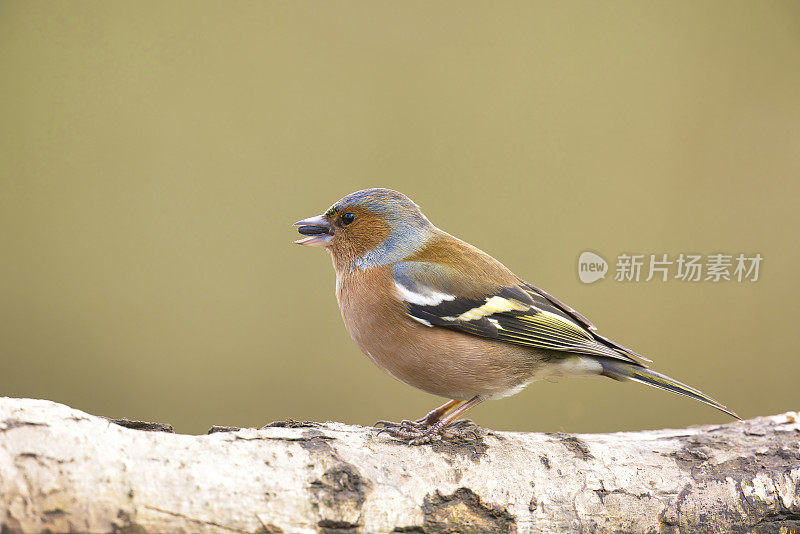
x: 63, y: 470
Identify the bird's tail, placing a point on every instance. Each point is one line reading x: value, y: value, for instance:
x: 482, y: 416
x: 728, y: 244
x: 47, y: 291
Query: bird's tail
x: 620, y: 370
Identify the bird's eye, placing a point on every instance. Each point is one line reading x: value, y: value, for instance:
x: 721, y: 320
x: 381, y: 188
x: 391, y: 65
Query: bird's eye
x: 348, y: 217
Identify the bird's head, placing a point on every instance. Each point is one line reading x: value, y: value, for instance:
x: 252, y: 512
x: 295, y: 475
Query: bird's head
x: 368, y: 228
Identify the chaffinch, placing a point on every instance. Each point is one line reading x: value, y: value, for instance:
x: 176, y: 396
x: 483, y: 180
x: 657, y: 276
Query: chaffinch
x: 445, y: 317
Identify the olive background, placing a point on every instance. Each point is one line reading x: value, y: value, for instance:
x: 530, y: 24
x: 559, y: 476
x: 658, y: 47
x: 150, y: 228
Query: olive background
x: 154, y: 155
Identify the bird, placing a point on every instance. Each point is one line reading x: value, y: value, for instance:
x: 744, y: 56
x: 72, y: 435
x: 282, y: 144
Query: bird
x: 445, y: 317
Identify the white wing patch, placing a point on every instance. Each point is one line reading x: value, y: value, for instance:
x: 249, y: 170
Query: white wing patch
x: 423, y: 321
x: 429, y: 298
x: 496, y: 323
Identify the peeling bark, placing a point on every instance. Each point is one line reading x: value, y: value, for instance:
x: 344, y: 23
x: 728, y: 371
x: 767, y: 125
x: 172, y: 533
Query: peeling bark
x: 63, y: 470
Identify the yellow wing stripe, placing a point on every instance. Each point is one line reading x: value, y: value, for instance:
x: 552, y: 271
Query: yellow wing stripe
x: 554, y: 322
x: 493, y: 305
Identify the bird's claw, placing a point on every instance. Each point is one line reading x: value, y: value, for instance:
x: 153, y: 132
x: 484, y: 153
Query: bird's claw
x: 405, y: 423
x: 414, y: 432
x: 380, y: 423
x: 411, y: 434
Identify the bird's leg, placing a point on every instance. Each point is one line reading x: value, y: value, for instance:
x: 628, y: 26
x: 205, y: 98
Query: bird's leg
x: 431, y: 418
x: 418, y: 436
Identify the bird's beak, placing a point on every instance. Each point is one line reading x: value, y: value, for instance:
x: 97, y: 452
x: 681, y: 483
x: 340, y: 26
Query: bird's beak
x: 318, y: 230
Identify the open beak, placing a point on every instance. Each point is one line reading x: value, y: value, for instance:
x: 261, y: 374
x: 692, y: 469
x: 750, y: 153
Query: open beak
x: 318, y: 230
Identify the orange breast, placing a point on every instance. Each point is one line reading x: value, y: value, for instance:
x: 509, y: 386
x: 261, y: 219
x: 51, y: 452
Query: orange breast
x: 436, y: 360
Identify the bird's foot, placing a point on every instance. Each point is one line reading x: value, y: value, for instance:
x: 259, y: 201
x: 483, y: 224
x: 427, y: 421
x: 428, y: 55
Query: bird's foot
x: 411, y: 432
x: 416, y: 433
x: 405, y: 423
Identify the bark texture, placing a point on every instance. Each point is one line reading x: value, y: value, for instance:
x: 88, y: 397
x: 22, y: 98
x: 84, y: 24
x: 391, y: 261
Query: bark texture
x: 64, y: 470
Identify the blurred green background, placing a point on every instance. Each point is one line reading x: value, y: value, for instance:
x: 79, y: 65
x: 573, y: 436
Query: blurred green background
x: 153, y: 156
